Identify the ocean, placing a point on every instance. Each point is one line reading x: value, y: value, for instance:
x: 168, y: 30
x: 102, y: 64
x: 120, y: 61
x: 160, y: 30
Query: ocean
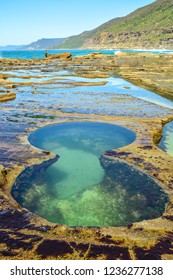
x: 27, y: 54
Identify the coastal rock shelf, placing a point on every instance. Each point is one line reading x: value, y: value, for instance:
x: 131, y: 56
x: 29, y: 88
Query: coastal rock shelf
x: 81, y: 190
x: 87, y: 89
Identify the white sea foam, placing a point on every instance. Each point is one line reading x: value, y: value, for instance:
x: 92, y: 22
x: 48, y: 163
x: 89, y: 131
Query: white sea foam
x: 116, y: 52
x: 155, y: 50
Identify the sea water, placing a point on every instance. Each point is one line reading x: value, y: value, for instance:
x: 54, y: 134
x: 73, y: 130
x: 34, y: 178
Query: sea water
x: 39, y: 54
x: 28, y: 54
x: 81, y: 188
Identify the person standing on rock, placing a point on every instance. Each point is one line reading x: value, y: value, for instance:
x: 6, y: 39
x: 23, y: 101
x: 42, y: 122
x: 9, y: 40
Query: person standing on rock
x: 46, y: 54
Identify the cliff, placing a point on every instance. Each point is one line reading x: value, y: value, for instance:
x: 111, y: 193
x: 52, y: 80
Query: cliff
x: 147, y: 27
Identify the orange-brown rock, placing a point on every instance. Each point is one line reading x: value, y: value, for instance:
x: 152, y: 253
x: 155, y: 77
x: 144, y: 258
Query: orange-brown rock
x: 62, y: 56
x: 7, y: 96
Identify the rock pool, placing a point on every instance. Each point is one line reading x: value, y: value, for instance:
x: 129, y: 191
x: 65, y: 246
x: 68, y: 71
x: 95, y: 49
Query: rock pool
x: 82, y: 188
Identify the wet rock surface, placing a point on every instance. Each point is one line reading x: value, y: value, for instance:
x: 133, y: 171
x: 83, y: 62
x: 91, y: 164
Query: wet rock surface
x: 24, y: 235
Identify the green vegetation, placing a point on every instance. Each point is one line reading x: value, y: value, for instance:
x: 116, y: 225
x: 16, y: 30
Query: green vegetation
x: 35, y: 116
x: 149, y: 26
x: 34, y: 123
x: 39, y: 116
x: 11, y: 120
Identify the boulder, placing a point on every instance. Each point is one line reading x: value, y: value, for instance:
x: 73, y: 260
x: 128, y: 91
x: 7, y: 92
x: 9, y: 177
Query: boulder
x: 94, y: 55
x: 63, y: 56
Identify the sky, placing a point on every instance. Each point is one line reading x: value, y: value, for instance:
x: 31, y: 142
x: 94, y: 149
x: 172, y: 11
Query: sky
x: 26, y: 21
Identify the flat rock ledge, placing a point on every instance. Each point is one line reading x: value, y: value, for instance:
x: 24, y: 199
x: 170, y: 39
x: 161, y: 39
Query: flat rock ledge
x: 7, y: 96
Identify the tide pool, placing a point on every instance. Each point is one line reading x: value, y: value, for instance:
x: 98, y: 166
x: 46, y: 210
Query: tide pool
x: 82, y: 188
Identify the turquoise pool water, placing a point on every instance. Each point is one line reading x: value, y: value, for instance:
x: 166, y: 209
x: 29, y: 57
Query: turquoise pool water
x: 81, y: 188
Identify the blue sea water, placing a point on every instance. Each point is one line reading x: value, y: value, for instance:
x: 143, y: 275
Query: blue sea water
x: 27, y: 54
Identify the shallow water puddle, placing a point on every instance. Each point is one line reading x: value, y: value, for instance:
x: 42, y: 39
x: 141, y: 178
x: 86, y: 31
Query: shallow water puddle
x: 166, y: 143
x: 82, y: 188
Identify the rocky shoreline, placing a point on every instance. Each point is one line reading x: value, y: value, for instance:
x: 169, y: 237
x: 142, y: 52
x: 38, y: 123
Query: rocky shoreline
x: 151, y: 72
x: 25, y: 235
